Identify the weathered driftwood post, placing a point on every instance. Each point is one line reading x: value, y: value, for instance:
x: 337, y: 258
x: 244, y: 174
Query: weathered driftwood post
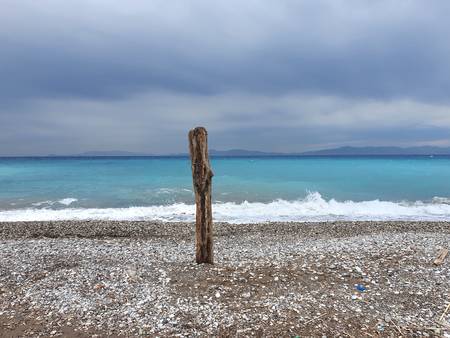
x: 202, y: 177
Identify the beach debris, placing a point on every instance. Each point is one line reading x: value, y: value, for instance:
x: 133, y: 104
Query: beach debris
x: 315, y: 318
x: 441, y: 256
x: 441, y: 318
x: 360, y: 287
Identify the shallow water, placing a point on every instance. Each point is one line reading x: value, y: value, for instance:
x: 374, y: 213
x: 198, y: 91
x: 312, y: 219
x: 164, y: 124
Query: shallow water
x: 244, y: 189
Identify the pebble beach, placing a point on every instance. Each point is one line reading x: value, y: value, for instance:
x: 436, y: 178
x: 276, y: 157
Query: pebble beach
x: 119, y: 279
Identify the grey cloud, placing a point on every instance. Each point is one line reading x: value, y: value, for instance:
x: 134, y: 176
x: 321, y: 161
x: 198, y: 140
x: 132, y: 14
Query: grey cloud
x: 158, y: 123
x: 351, y: 49
x: 283, y: 76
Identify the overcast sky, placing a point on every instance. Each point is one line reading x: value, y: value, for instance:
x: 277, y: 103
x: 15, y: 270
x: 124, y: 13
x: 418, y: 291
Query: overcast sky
x: 279, y: 75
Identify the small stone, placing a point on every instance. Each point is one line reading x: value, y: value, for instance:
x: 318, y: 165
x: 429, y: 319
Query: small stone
x: 380, y: 327
x: 358, y: 269
x: 99, y: 286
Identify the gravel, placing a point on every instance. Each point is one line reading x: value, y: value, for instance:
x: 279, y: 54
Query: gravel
x: 84, y: 279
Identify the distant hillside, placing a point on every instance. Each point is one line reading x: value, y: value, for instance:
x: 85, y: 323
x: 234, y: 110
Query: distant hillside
x: 342, y: 151
x: 111, y: 153
x: 374, y: 151
x: 241, y: 152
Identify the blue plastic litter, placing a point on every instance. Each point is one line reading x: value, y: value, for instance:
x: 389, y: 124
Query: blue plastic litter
x: 360, y: 287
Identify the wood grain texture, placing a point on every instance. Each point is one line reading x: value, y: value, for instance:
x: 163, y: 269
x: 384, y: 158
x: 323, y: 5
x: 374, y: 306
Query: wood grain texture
x: 202, y: 179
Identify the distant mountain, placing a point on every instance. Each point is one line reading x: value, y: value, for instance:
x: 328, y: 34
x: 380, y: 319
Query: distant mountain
x: 235, y: 153
x: 342, y: 151
x: 111, y: 153
x: 241, y: 152
x: 374, y: 151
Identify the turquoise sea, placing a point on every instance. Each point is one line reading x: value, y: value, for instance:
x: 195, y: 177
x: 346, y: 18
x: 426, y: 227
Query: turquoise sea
x: 250, y: 189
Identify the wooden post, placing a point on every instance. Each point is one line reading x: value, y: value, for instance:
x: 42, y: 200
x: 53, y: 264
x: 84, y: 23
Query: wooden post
x: 202, y: 177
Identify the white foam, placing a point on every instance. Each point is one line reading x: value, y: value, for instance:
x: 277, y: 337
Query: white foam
x: 67, y: 201
x: 442, y: 200
x: 313, y: 208
x: 38, y: 204
x: 170, y: 191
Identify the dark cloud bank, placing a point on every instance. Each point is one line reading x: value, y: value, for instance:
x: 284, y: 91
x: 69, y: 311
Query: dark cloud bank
x: 278, y: 76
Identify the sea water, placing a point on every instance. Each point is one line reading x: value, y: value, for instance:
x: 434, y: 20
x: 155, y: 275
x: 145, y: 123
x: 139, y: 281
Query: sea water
x: 250, y: 189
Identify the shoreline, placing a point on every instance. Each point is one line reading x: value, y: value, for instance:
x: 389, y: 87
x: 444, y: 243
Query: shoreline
x: 78, y: 279
x: 313, y: 207
x: 148, y: 229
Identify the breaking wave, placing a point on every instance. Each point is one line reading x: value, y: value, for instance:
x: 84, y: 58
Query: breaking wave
x: 313, y: 208
x: 65, y: 201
